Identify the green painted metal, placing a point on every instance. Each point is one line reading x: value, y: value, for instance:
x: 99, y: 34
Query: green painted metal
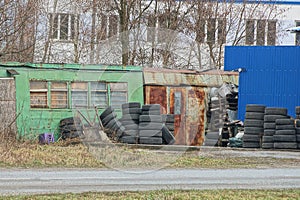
x: 32, y: 121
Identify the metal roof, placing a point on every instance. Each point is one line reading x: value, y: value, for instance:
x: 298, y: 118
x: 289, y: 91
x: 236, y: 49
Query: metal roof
x: 212, y: 78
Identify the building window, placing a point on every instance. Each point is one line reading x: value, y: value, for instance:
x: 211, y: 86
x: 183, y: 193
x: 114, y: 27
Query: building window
x: 99, y: 96
x: 249, y: 32
x: 118, y: 94
x: 113, y: 25
x: 151, y: 28
x: 260, y: 32
x: 62, y: 25
x: 297, y: 35
x: 102, y: 33
x: 200, y: 32
x: 79, y: 93
x: 38, y: 94
x: 221, y: 31
x: 177, y: 103
x: 59, y: 95
x: 271, y: 40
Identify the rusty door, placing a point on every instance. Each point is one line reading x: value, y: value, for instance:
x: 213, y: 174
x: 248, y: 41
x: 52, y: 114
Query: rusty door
x: 157, y: 95
x: 178, y: 108
x: 8, y: 107
x: 195, y: 116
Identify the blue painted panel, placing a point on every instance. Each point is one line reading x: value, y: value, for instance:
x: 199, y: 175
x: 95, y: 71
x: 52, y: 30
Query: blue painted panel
x: 272, y: 75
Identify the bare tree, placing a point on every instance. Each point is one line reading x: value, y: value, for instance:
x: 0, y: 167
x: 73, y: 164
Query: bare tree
x: 18, y: 30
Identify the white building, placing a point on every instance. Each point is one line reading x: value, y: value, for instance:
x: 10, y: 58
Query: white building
x: 76, y: 36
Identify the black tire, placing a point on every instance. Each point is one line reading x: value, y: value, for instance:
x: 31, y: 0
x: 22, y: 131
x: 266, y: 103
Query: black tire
x: 150, y: 126
x: 170, y: 126
x: 130, y: 117
x: 128, y: 122
x: 285, y: 132
x: 150, y: 118
x: 151, y: 107
x: 251, y: 138
x: 269, y: 125
x: 212, y: 135
x: 69, y: 121
x: 131, y: 127
x: 150, y: 133
x: 116, y: 126
x: 151, y: 112
x: 151, y: 140
x: 297, y: 110
x: 120, y: 132
x: 167, y: 136
x: 70, y: 127
x: 168, y: 118
x: 285, y: 145
x: 285, y: 122
x: 297, y: 130
x: 131, y: 105
x: 267, y: 139
x: 129, y: 111
x: 111, y: 123
x: 267, y: 145
x: 255, y: 108
x: 254, y: 115
x: 269, y: 132
x: 254, y: 123
x: 298, y: 138
x: 275, y: 111
x: 106, y: 112
x: 251, y: 145
x: 253, y: 130
x: 108, y: 118
x: 129, y: 139
x: 297, y: 123
x: 272, y: 118
x: 285, y: 127
x: 131, y: 133
x: 284, y: 138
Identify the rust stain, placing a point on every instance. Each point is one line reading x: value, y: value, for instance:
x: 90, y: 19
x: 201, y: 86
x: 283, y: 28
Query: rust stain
x: 157, y: 95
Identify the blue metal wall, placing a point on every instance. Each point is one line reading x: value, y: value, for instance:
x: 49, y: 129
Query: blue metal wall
x: 272, y: 75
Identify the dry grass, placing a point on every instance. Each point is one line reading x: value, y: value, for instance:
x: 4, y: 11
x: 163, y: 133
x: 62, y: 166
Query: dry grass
x: 176, y: 194
x: 76, y: 155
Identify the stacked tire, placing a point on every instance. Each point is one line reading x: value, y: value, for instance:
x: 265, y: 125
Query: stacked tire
x: 285, y: 134
x: 112, y: 126
x: 211, y: 138
x: 298, y: 132
x: 130, y: 120
x: 253, y: 126
x: 271, y: 115
x: 70, y: 128
x: 169, y: 122
x: 297, y: 112
x: 217, y: 113
x: 150, y: 125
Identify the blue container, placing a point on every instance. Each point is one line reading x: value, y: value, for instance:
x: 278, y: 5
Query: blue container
x: 271, y: 75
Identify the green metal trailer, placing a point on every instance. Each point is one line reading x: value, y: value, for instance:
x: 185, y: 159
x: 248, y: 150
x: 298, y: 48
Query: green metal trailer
x: 35, y: 97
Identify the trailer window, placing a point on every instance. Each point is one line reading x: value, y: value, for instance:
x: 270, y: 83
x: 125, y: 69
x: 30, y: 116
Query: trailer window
x: 79, y: 93
x: 99, y: 94
x: 38, y: 94
x: 118, y: 94
x: 59, y: 95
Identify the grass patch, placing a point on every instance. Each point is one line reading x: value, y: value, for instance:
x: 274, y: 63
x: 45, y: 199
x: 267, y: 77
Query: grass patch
x: 175, y: 194
x: 65, y: 155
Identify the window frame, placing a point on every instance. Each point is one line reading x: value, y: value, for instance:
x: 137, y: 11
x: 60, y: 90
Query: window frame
x: 38, y: 91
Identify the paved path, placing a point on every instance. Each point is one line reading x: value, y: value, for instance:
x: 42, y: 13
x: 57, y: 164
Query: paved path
x: 17, y: 181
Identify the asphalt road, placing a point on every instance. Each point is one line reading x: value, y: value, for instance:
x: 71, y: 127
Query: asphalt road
x: 32, y: 181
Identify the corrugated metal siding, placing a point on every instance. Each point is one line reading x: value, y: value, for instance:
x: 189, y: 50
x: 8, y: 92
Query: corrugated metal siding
x: 272, y: 77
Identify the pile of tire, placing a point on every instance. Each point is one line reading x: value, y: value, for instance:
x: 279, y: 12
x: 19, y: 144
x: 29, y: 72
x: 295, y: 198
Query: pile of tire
x: 253, y: 125
x: 271, y: 115
x: 168, y: 129
x: 285, y: 134
x: 232, y: 101
x: 297, y: 123
x: 70, y: 127
x: 151, y: 125
x: 297, y: 112
x: 112, y: 126
x: 217, y: 113
x: 130, y: 120
x: 169, y: 122
x: 211, y: 138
